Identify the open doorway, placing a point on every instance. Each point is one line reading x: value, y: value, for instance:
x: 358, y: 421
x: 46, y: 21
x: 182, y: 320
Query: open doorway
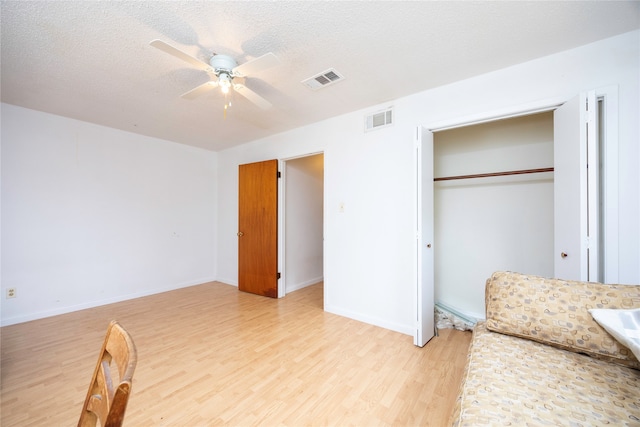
x: 303, y: 225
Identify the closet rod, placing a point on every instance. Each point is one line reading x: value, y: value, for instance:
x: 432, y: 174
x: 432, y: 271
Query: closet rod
x: 485, y: 175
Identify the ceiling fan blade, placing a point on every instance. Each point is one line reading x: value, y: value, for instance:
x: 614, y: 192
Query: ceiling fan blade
x: 174, y: 51
x: 261, y: 63
x: 200, y: 90
x: 252, y: 96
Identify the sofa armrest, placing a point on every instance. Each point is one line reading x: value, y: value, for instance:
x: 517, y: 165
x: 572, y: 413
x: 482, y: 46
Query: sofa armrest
x: 555, y: 312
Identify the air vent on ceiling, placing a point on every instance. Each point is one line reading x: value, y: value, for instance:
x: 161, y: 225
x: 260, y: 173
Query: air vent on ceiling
x: 378, y: 120
x: 323, y: 79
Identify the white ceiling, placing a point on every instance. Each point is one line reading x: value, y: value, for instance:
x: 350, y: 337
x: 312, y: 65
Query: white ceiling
x: 92, y: 60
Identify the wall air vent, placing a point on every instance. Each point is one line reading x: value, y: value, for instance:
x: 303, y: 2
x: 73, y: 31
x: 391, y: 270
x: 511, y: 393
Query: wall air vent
x: 378, y: 119
x: 323, y: 79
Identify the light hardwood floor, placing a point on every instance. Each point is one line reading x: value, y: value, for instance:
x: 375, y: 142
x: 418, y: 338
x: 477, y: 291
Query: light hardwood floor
x: 211, y: 355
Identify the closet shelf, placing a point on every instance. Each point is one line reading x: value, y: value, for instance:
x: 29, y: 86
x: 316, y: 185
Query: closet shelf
x: 490, y: 174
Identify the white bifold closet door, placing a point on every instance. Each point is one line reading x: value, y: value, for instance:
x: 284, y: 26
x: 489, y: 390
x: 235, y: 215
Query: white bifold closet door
x: 424, y: 238
x: 576, y: 189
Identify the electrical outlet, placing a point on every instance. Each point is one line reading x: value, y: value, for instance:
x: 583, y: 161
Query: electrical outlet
x: 11, y: 293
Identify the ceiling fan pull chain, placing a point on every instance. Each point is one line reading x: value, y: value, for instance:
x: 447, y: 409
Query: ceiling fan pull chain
x: 227, y: 104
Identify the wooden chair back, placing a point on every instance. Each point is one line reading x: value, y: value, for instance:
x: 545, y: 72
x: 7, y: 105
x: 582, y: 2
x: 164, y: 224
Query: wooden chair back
x: 116, y: 363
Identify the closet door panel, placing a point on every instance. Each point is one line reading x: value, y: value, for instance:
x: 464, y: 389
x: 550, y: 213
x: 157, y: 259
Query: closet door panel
x: 424, y: 225
x: 570, y: 190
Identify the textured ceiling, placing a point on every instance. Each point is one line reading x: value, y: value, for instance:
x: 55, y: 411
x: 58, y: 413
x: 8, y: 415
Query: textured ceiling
x: 92, y: 60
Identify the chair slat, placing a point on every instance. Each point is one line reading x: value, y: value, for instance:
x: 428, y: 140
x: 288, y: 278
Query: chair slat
x: 103, y: 402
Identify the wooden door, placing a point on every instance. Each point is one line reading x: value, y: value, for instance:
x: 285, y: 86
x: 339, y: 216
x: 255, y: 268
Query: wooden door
x: 258, y: 228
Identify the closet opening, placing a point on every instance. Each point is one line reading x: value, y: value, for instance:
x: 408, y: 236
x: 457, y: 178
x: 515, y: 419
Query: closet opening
x: 493, y: 206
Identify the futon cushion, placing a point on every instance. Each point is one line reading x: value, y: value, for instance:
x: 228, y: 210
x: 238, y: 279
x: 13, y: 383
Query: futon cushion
x: 556, y: 312
x: 509, y: 381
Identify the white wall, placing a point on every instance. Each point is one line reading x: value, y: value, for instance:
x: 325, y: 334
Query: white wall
x: 304, y: 196
x: 497, y: 223
x: 93, y: 215
x: 370, y: 248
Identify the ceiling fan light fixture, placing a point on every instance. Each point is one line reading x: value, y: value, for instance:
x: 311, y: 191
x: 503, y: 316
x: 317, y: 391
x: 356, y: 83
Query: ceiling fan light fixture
x: 225, y: 82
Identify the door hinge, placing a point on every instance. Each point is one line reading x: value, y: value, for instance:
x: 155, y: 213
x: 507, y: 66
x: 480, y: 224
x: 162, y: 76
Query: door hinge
x: 279, y: 174
x: 278, y: 276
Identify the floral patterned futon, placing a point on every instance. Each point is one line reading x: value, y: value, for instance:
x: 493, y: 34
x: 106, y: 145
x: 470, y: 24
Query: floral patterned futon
x: 540, y: 359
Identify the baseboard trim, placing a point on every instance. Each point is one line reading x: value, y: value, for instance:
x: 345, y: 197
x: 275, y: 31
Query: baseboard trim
x: 375, y: 321
x: 232, y: 282
x: 97, y: 303
x: 297, y: 286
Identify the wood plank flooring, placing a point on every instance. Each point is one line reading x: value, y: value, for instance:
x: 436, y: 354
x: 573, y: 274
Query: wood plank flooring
x: 211, y: 355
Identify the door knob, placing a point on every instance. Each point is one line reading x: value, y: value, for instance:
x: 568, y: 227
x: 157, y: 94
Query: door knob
x: 563, y: 254
x: 240, y: 234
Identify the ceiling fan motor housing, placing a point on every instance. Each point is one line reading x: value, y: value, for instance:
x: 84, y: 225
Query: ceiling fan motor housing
x: 222, y: 63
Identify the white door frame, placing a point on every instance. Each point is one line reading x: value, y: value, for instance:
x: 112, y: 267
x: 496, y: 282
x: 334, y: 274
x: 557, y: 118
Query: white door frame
x: 609, y: 222
x: 282, y: 291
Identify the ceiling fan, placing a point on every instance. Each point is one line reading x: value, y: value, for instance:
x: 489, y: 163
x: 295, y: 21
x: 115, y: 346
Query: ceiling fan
x: 225, y: 72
